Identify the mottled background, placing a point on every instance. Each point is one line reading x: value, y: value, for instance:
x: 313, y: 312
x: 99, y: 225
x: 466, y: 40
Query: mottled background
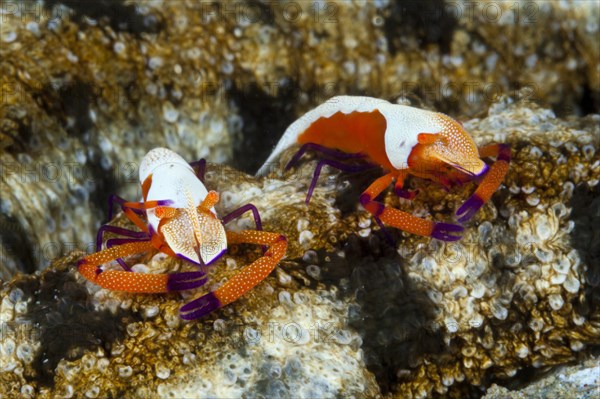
x: 89, y: 87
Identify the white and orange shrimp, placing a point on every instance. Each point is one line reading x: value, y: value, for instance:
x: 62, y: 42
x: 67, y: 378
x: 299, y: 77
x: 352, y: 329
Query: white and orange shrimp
x: 180, y: 221
x: 403, y: 141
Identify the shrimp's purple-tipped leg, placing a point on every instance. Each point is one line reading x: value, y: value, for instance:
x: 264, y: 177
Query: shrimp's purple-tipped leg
x: 124, y: 265
x: 115, y: 199
x: 199, y: 167
x: 107, y: 228
x: 337, y: 154
x: 120, y: 241
x: 386, y: 233
x: 240, y: 211
x: 200, y: 307
x: 337, y: 165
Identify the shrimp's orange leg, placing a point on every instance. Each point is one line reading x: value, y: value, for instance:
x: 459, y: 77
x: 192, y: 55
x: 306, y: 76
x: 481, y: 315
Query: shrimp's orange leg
x: 117, y: 280
x: 490, y: 183
x: 403, y: 220
x: 131, y: 215
x: 245, y: 279
x: 146, y: 205
x: 209, y: 201
x: 128, y: 208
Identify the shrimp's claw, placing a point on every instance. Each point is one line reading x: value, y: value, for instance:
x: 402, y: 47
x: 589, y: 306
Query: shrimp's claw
x: 186, y: 281
x: 491, y: 181
x: 469, y: 208
x: 245, y: 279
x: 404, y: 220
x: 447, y: 231
x: 200, y: 307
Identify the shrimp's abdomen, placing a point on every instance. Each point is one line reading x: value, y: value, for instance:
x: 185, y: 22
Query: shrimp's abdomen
x: 355, y: 132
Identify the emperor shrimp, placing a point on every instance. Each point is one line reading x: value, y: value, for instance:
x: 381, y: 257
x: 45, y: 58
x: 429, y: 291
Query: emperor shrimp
x: 177, y: 217
x: 403, y: 141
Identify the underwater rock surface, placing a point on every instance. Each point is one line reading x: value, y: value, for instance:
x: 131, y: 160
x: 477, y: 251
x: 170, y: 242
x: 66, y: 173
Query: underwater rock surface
x: 345, y: 314
x: 88, y: 90
x: 581, y: 382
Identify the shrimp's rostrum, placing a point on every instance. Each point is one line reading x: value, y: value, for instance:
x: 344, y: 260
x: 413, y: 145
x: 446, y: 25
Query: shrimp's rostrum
x: 403, y: 141
x: 177, y: 217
